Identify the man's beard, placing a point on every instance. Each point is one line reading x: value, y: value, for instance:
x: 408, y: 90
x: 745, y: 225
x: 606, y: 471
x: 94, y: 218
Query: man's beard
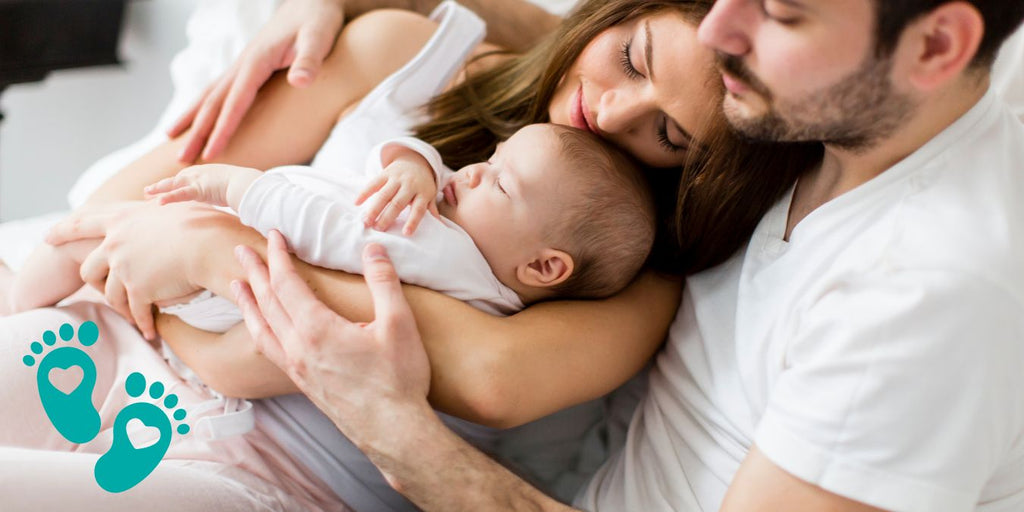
x: 854, y: 114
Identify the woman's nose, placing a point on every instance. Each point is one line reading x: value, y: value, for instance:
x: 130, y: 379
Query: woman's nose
x: 620, y: 109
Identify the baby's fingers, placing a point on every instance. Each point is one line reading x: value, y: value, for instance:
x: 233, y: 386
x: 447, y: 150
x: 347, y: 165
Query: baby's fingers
x: 419, y: 209
x: 379, y: 202
x: 393, y: 209
x: 371, y: 188
x: 186, y: 193
x: 164, y: 185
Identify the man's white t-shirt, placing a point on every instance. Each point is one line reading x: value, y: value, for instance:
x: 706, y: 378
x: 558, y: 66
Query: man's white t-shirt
x: 878, y: 353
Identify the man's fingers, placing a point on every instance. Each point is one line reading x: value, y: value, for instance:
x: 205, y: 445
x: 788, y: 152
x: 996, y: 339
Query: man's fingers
x: 302, y: 306
x: 264, y: 337
x: 390, y: 308
x: 258, y: 277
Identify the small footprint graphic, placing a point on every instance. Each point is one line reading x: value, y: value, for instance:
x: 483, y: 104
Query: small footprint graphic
x: 72, y: 414
x: 125, y: 465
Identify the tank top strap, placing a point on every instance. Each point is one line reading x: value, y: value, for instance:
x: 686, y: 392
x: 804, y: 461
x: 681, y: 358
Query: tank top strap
x: 458, y: 33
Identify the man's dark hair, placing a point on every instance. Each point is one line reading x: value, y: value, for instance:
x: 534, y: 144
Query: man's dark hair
x: 1001, y: 17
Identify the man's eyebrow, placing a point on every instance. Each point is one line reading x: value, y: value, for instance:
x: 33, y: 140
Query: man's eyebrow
x: 648, y: 50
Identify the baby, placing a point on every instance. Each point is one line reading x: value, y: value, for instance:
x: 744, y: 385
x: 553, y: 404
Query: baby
x: 554, y: 213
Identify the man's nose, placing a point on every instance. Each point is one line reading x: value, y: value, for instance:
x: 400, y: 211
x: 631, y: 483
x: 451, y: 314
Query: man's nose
x: 724, y: 27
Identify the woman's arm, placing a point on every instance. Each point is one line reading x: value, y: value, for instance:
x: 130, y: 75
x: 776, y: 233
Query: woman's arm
x: 512, y: 24
x: 496, y: 371
x: 288, y: 126
x: 300, y: 34
x: 228, y: 362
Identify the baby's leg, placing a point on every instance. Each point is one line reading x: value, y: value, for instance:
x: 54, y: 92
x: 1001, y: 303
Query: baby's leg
x: 49, y: 275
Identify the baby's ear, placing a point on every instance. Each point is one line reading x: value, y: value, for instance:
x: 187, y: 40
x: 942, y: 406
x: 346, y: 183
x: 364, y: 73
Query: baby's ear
x: 549, y: 268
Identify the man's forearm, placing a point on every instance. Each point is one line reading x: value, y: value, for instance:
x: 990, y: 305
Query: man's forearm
x: 437, y: 470
x: 512, y: 24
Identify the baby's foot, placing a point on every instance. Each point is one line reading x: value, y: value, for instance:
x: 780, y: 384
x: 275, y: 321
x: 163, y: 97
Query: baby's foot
x: 71, y: 412
x: 126, y: 464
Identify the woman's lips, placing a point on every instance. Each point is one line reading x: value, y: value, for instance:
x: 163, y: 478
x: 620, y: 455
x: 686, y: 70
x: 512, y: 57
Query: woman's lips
x: 449, y: 194
x: 579, y: 115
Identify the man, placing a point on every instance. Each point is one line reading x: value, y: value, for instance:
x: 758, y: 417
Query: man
x: 863, y: 353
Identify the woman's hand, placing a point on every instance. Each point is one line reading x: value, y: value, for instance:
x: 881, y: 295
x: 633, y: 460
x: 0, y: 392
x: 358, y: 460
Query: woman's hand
x: 350, y: 370
x: 142, y: 260
x: 299, y: 36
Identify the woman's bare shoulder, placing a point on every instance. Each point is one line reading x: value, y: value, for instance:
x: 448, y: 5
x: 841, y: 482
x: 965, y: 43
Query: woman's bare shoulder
x: 387, y: 38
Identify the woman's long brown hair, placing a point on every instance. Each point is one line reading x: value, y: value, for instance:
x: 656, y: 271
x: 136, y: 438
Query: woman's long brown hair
x: 708, y: 210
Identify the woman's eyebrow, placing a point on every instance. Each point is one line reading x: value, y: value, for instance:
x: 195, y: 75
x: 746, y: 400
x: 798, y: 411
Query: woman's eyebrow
x: 649, y: 58
x: 649, y: 50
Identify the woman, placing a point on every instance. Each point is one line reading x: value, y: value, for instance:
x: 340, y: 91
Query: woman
x: 614, y: 68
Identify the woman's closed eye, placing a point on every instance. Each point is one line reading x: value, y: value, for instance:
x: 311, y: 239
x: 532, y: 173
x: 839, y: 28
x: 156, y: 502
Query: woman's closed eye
x: 664, y: 141
x: 497, y: 183
x: 627, y: 61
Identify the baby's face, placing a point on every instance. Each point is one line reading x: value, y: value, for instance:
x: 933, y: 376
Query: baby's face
x: 506, y: 202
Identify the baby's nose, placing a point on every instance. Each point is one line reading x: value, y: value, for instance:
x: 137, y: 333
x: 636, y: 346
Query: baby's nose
x: 473, y: 176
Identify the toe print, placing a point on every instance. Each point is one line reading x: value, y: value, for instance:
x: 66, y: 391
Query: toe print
x: 132, y: 457
x: 66, y: 377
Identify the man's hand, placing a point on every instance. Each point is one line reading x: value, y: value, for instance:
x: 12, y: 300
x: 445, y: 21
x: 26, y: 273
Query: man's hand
x: 298, y: 37
x: 352, y: 371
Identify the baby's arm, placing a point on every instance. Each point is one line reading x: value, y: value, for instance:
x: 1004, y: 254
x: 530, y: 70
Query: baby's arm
x: 49, y: 275
x: 409, y: 174
x: 216, y: 184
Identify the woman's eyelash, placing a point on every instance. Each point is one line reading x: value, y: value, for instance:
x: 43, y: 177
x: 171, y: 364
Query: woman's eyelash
x: 627, y: 64
x: 665, y: 142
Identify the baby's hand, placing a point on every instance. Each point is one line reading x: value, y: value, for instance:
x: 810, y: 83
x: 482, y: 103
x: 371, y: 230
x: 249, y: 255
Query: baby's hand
x: 211, y: 183
x: 407, y: 180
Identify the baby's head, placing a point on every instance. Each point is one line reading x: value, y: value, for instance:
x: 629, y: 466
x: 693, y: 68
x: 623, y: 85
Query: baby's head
x: 556, y: 213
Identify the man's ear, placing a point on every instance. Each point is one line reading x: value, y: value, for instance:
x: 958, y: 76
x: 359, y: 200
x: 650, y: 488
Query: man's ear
x: 941, y: 44
x: 549, y: 268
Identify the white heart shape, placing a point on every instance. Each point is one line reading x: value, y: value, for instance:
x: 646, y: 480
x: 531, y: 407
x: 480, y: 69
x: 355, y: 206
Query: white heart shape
x: 141, y: 435
x: 66, y: 380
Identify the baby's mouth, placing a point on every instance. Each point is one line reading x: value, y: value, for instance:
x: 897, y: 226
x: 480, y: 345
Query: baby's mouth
x: 449, y: 194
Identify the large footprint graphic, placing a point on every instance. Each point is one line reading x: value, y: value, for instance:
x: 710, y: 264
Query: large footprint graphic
x: 72, y: 414
x: 125, y: 465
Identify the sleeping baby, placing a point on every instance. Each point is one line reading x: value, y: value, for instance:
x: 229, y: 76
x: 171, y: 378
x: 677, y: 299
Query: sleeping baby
x: 554, y: 213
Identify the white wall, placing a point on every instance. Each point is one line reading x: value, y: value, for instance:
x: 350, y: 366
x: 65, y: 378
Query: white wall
x: 53, y: 130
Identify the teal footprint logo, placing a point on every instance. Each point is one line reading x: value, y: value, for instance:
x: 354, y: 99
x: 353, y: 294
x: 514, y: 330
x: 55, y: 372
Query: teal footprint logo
x: 126, y: 464
x: 71, y: 413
